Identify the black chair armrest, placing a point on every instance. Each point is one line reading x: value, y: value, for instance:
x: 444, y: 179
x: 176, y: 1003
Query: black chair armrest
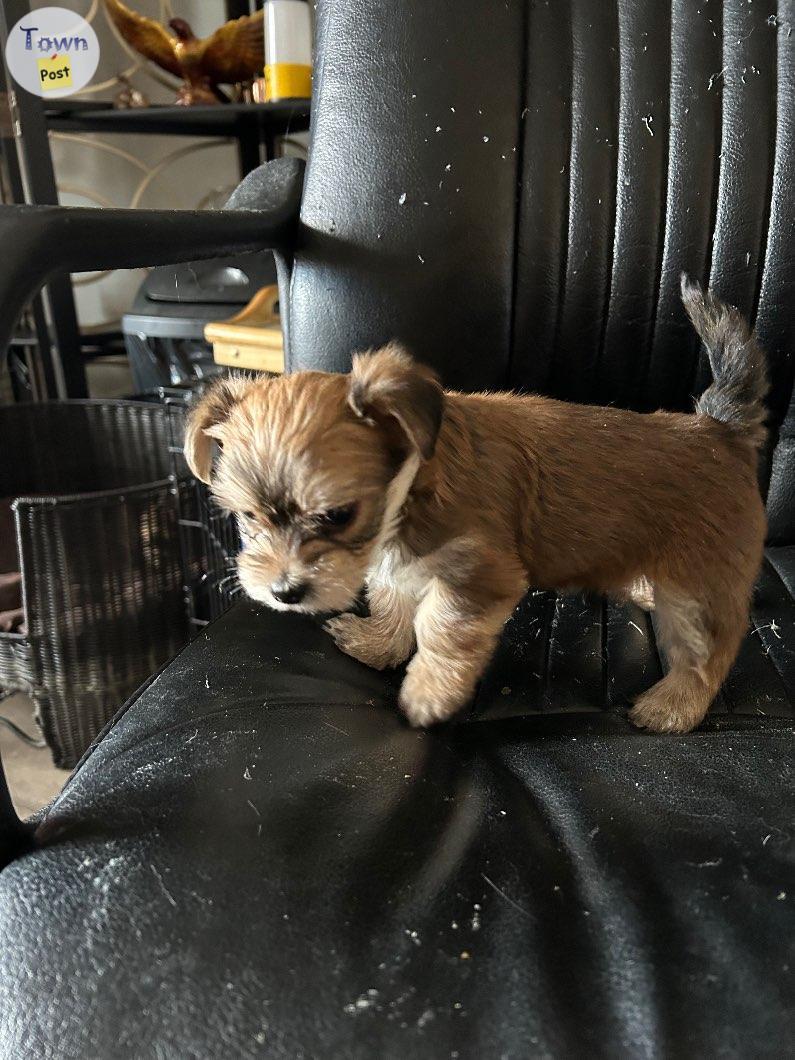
x: 39, y: 241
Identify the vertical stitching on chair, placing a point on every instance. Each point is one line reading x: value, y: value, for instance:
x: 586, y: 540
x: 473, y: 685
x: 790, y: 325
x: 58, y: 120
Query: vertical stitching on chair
x: 518, y: 189
x: 717, y: 166
x: 768, y: 202
x: 777, y: 163
x: 608, y: 295
x: 662, y: 234
x: 563, y: 265
x: 774, y: 423
x: 662, y: 228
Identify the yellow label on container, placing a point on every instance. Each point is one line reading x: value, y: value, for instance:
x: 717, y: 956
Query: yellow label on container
x: 55, y: 72
x: 287, y: 81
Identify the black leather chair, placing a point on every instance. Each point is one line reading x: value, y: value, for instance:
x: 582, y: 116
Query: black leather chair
x: 257, y: 857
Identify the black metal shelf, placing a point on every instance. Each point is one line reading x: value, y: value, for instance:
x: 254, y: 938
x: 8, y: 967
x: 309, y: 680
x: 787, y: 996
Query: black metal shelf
x: 225, y: 119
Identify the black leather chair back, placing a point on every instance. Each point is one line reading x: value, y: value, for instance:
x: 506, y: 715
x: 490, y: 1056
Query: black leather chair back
x: 513, y: 189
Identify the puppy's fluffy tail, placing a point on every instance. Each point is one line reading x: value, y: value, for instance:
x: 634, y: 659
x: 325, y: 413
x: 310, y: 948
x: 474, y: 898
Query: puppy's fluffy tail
x: 739, y: 370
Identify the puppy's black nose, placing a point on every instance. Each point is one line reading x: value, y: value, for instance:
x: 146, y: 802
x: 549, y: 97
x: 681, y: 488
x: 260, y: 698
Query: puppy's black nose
x: 288, y: 594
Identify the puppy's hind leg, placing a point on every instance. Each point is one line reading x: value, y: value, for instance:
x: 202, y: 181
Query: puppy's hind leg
x: 700, y: 642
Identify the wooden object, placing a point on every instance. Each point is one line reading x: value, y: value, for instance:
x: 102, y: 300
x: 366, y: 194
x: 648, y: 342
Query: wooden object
x: 253, y: 337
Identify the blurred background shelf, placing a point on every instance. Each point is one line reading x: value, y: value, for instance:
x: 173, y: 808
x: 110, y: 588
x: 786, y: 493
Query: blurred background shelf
x: 226, y: 119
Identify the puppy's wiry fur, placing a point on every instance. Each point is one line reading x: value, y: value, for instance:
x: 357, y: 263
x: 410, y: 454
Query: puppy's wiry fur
x: 448, y: 506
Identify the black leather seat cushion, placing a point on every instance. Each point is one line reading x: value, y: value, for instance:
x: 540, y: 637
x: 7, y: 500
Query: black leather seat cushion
x: 259, y: 858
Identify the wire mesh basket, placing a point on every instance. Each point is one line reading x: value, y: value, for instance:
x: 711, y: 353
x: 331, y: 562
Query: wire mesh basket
x: 99, y: 543
x: 209, y: 537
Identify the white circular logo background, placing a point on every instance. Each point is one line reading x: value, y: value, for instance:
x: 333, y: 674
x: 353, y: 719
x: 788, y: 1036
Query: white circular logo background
x: 52, y: 52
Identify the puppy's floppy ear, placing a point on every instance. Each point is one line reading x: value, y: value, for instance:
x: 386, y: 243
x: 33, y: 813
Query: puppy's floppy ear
x: 389, y: 383
x: 205, y: 422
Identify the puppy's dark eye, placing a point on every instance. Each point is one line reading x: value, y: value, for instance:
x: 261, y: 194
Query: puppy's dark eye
x: 336, y: 518
x: 247, y: 515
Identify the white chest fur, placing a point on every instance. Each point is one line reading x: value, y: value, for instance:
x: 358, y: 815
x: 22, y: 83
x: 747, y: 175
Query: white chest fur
x: 397, y: 569
x: 392, y: 564
x: 396, y: 494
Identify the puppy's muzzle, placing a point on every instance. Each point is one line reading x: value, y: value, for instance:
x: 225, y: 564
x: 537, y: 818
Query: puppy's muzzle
x: 289, y: 592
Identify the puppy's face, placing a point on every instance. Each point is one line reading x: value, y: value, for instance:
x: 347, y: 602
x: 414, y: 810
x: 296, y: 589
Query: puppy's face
x: 315, y: 466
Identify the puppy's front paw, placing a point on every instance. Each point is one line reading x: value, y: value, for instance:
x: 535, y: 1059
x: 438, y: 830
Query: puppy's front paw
x: 424, y: 700
x: 362, y: 639
x: 658, y: 711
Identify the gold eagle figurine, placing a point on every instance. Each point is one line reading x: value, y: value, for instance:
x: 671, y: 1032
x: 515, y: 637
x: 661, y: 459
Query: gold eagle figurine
x: 234, y: 53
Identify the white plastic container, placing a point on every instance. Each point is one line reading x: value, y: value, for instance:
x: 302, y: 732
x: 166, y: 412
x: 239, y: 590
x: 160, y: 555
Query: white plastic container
x: 288, y: 50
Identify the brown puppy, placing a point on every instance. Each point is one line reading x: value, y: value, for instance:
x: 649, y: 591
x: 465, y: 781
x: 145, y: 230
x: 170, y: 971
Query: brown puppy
x: 448, y: 506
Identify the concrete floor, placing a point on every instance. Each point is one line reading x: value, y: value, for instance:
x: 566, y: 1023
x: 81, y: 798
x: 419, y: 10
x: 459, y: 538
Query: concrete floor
x: 32, y: 778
